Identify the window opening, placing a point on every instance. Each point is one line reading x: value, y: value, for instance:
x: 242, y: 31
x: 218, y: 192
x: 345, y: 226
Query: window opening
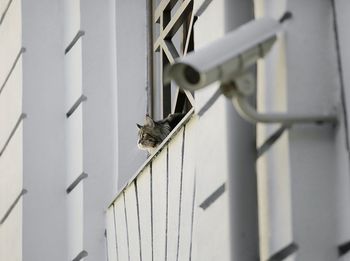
x: 173, y: 37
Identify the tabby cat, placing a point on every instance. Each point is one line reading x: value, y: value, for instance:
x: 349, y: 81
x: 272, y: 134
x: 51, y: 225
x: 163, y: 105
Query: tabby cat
x: 152, y: 133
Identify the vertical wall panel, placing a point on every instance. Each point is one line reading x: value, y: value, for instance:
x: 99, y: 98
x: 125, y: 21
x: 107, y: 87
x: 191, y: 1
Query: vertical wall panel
x: 74, y: 133
x: 11, y: 235
x: 99, y: 118
x: 11, y: 161
x: 71, y: 20
x: 341, y: 20
x: 74, y: 145
x: 122, y: 229
x: 159, y: 181
x: 10, y: 103
x: 273, y: 167
x: 73, y: 74
x: 215, y: 147
x: 11, y: 171
x: 111, y: 235
x: 144, y: 196
x: 294, y: 173
x: 75, y: 225
x: 3, y: 5
x: 211, y: 242
x: 10, y: 38
x: 342, y: 8
x: 133, y: 222
x: 131, y: 75
x: 187, y: 192
x: 312, y: 162
x: 175, y: 158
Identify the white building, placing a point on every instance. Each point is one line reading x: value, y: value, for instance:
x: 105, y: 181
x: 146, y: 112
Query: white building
x: 75, y: 77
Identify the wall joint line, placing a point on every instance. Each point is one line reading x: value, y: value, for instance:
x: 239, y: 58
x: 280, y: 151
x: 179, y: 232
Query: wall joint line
x: 21, y: 117
x: 8, y: 212
x: 22, y: 50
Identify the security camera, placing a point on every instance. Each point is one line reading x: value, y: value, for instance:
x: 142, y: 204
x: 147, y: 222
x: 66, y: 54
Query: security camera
x: 226, y: 58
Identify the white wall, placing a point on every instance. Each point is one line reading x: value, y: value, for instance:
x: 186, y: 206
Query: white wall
x: 300, y: 196
x: 99, y: 120
x: 73, y: 85
x: 218, y: 160
x: 273, y: 171
x: 56, y: 149
x: 303, y: 180
x: 90, y: 71
x: 44, y: 206
x: 311, y: 69
x: 131, y: 84
x: 11, y: 160
x: 210, y: 26
x: 341, y: 8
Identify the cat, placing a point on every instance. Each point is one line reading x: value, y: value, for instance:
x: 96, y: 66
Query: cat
x: 152, y: 133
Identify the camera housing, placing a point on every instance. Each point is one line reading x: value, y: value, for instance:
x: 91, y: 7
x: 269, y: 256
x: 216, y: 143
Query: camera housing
x: 226, y: 58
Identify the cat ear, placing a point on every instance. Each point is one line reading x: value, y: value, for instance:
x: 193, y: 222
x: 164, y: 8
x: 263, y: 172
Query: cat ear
x: 149, y: 121
x: 138, y: 126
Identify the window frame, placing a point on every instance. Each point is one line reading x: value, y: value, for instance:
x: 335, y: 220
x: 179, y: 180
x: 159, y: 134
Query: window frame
x: 171, y: 16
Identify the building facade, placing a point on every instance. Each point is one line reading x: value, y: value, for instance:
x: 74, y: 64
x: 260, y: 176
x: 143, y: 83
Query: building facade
x: 75, y: 78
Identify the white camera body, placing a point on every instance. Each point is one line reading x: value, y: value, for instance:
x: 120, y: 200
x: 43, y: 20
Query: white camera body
x: 227, y: 58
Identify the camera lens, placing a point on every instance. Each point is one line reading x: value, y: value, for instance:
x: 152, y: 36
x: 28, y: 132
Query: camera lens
x: 191, y: 75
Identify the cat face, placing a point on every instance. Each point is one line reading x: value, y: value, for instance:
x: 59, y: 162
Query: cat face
x: 148, y: 135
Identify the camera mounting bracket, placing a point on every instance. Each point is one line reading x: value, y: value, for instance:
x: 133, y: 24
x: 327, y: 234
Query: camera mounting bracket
x: 242, y: 87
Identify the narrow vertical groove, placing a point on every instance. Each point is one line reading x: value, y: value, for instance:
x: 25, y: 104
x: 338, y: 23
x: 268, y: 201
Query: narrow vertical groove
x: 167, y: 203
x: 138, y: 217
x: 192, y: 217
x: 127, y: 227
x: 341, y: 77
x: 180, y: 200
x: 151, y: 189
x: 106, y: 237
x: 115, y: 232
